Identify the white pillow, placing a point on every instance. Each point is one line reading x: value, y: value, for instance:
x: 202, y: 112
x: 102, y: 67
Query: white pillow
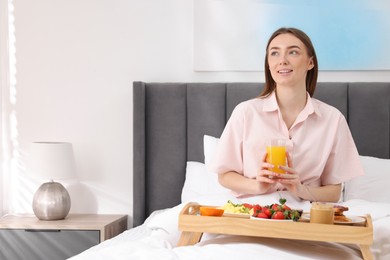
x: 374, y: 184
x: 200, y: 183
x: 210, y: 144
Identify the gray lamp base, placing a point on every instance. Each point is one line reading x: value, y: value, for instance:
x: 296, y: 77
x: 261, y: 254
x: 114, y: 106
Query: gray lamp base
x: 51, y: 201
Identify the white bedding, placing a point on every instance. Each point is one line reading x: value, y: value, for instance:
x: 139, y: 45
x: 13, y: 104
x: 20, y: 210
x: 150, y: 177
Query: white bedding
x: 158, y: 236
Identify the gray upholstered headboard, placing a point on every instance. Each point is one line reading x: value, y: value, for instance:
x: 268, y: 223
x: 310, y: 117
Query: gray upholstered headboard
x: 170, y: 120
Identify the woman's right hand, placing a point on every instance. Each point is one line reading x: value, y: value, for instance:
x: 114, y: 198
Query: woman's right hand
x: 265, y: 175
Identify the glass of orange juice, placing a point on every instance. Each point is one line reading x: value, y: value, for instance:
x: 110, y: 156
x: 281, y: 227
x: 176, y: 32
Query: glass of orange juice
x: 276, y: 150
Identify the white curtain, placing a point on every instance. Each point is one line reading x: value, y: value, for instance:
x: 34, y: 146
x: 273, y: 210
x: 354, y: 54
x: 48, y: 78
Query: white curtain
x: 7, y: 99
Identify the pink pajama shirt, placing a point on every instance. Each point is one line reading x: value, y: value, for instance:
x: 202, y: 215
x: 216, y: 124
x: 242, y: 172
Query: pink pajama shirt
x: 320, y: 141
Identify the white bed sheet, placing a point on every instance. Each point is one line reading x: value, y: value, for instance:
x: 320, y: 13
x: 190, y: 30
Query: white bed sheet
x: 158, y: 236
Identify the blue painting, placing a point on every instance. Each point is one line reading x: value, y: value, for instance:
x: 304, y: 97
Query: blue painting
x: 231, y: 35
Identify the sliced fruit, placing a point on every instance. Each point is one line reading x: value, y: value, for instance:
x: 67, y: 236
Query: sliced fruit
x: 210, y: 211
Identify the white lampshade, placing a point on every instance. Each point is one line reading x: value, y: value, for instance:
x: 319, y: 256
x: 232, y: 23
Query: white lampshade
x: 51, y: 161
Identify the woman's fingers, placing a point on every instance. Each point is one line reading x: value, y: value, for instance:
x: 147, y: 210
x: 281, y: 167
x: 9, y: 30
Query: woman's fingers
x: 264, y: 159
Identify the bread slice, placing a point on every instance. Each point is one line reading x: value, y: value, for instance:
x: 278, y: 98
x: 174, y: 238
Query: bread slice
x: 339, y: 209
x: 339, y: 213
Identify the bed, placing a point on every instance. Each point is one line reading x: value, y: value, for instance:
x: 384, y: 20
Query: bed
x: 176, y: 130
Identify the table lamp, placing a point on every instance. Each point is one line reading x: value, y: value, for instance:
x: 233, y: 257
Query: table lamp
x: 51, y: 161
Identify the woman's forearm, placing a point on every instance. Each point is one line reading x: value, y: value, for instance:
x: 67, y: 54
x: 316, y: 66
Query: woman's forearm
x: 241, y: 184
x: 327, y: 193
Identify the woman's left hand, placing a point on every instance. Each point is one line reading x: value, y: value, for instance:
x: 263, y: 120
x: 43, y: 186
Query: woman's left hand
x: 290, y: 180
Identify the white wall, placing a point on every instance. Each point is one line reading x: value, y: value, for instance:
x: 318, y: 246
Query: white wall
x: 76, y: 61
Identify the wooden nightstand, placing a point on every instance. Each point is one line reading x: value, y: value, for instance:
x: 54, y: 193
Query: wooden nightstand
x: 26, y: 237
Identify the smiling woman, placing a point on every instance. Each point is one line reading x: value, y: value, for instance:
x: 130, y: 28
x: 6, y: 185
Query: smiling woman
x: 286, y: 109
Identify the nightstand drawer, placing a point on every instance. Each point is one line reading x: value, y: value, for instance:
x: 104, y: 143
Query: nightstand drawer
x: 45, y: 244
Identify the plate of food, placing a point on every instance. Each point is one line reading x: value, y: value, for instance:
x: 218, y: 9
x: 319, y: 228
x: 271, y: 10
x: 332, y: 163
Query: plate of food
x: 270, y: 219
x: 349, y: 219
x: 346, y: 219
x: 340, y: 217
x: 274, y: 212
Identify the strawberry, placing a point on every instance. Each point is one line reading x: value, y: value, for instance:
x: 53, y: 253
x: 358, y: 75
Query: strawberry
x: 257, y: 207
x: 276, y: 207
x: 278, y: 215
x: 247, y: 205
x: 261, y: 215
x: 256, y: 210
x: 267, y: 211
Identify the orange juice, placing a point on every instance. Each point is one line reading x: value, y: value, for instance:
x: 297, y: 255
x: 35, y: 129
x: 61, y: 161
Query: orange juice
x: 277, y: 156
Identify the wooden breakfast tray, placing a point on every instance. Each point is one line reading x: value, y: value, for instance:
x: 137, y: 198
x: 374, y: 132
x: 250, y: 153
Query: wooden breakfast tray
x: 193, y: 226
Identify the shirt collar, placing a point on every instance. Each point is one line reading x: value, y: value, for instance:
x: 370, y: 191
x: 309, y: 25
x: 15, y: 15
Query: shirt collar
x: 271, y: 104
x: 311, y: 106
